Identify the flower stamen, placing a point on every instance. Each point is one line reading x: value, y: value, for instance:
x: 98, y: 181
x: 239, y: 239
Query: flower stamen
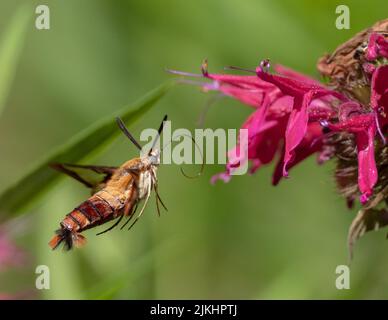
x: 265, y: 65
x: 239, y: 69
x: 379, y: 129
x: 204, y: 68
x: 182, y: 73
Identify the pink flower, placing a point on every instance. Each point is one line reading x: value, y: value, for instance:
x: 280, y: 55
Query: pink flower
x: 23, y: 295
x: 379, y: 95
x: 303, y: 94
x: 295, y: 116
x: 10, y: 254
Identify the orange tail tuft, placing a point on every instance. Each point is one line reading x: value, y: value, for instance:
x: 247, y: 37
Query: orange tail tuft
x: 68, y: 237
x: 79, y: 240
x: 55, y: 242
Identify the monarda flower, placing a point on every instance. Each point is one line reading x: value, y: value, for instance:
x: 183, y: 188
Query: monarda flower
x: 345, y: 119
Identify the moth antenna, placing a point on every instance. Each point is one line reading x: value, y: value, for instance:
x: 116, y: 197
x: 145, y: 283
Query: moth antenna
x: 159, y: 133
x: 124, y: 129
x: 142, y: 209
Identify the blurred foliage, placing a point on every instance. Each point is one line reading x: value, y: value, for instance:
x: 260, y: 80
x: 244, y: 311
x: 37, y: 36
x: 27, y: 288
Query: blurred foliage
x: 10, y: 49
x: 244, y: 239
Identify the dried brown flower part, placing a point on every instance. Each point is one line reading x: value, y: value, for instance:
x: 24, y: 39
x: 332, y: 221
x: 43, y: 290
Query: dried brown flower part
x: 344, y: 67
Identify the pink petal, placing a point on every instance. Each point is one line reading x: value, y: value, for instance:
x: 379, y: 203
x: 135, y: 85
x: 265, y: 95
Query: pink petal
x: 287, y: 72
x: 321, y: 109
x: 243, y: 82
x: 367, y: 171
x: 224, y: 176
x: 297, y: 124
x: 349, y: 109
x: 249, y: 90
x: 248, y: 97
x: 364, y: 127
x: 377, y: 47
x: 256, y: 164
x: 10, y: 254
x: 288, y: 86
x: 379, y: 95
x: 303, y: 94
x: 310, y: 144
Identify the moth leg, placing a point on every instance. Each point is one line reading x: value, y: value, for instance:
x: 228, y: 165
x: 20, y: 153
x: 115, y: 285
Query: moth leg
x: 130, y: 216
x: 158, y: 198
x: 110, y: 228
x: 142, y: 209
x: 128, y: 208
x: 157, y: 204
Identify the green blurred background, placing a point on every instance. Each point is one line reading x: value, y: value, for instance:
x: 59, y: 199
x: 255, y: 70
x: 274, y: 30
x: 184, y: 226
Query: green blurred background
x: 242, y: 240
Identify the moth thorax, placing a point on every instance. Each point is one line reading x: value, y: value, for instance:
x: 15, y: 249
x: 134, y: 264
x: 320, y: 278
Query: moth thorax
x: 145, y: 183
x: 154, y: 158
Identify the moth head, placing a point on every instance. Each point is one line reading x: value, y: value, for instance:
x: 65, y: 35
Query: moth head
x: 154, y: 157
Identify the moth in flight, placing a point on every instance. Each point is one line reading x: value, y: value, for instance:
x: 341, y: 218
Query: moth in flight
x: 117, y: 195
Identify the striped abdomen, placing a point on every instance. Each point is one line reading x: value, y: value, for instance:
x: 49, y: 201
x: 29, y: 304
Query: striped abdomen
x: 93, y: 211
x: 98, y: 209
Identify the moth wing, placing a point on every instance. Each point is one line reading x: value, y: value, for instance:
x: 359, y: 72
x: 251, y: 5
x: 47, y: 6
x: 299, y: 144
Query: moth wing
x: 91, y: 176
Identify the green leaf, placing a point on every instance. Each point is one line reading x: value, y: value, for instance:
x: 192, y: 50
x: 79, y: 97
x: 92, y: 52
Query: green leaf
x: 10, y: 49
x: 87, y: 142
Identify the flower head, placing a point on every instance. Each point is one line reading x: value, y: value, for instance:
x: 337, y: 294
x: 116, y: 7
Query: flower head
x: 296, y: 116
